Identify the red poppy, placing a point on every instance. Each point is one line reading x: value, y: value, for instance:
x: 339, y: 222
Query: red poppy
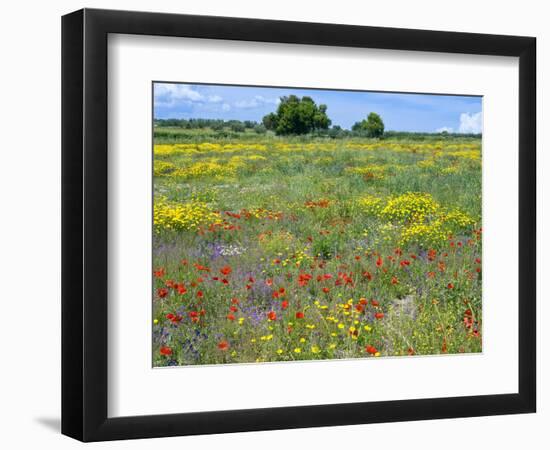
x: 271, y: 315
x: 367, y: 275
x: 394, y: 280
x: 181, y: 288
x: 405, y: 262
x: 269, y: 282
x: 450, y: 286
x: 357, y: 258
x: 284, y: 304
x: 234, y: 215
x: 374, y: 302
x: 303, y: 279
x: 275, y: 294
x: 299, y: 315
x: 379, y: 262
x: 159, y: 273
x: 359, y: 307
x: 326, y: 290
x: 162, y: 292
x: 233, y: 308
x: 379, y: 315
x: 371, y: 350
x: 431, y: 254
x: 225, y: 281
x: 223, y: 345
x: 193, y: 314
x: 251, y: 280
x: 200, y: 294
x: 235, y: 301
x: 184, y: 262
x: 165, y: 351
x: 226, y: 270
x: 363, y: 301
x: 230, y: 317
x: 410, y: 351
x: 202, y: 268
x: 478, y: 261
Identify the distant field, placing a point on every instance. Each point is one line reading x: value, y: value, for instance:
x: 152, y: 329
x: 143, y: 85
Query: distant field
x: 281, y: 249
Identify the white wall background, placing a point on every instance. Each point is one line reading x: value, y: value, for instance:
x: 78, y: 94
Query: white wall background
x: 30, y: 225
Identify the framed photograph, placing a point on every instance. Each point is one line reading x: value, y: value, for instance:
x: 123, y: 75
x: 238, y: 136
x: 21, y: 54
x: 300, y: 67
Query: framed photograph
x: 273, y: 224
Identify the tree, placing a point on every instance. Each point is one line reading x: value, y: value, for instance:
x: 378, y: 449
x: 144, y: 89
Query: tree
x: 297, y: 116
x: 260, y: 129
x: 321, y: 120
x: 236, y: 126
x: 337, y: 132
x: 270, y: 121
x: 372, y: 126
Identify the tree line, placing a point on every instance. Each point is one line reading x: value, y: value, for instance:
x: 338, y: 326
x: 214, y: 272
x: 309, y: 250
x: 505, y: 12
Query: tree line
x: 298, y: 116
x: 213, y: 124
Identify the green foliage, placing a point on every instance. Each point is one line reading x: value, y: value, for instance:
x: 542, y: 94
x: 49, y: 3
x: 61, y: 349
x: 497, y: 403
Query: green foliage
x: 201, y: 124
x: 297, y: 116
x: 372, y: 126
x: 237, y: 127
x: 260, y: 129
x: 270, y: 121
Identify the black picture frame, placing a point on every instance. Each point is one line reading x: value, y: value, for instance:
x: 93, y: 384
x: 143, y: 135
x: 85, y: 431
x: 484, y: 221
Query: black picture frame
x: 84, y: 224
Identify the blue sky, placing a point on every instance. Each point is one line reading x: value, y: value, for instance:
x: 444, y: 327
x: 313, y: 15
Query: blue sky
x: 400, y: 112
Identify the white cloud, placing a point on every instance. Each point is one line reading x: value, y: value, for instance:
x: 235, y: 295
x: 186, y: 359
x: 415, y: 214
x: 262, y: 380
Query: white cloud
x: 444, y: 129
x: 255, y: 102
x: 470, y: 123
x: 226, y: 107
x: 171, y: 94
x: 246, y: 104
x: 215, y: 99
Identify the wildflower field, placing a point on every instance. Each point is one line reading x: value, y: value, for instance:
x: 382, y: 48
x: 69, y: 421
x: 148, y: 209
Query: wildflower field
x: 274, y: 248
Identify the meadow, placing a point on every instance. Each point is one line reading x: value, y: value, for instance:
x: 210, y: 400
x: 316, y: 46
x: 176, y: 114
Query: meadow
x: 271, y: 248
